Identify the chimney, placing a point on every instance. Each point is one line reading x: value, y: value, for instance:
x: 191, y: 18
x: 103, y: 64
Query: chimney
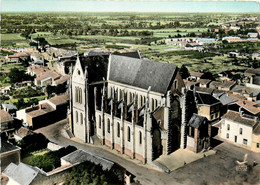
x: 255, y: 119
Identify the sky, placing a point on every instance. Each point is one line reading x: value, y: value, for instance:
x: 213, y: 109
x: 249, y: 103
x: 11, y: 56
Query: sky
x: 128, y: 6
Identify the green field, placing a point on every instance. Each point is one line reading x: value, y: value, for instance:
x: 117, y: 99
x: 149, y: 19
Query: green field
x: 144, y: 31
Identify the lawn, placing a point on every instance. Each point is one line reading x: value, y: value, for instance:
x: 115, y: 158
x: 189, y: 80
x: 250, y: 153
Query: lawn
x: 36, y: 153
x: 11, y: 101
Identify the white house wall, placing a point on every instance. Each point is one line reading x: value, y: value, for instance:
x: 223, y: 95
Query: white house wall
x: 235, y: 131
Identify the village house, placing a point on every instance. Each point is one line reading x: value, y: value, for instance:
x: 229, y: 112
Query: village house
x: 18, y: 57
x: 253, y: 76
x: 233, y: 39
x: 224, y: 85
x: 138, y: 106
x: 9, y: 154
x: 241, y: 129
x: 6, y: 123
x: 195, y: 75
x: 251, y: 94
x: 21, y: 133
x: 204, y: 83
x: 208, y: 106
x: 252, y: 35
x: 46, y: 112
x: 199, y: 133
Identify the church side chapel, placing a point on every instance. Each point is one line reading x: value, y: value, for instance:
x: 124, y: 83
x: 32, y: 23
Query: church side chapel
x: 133, y: 105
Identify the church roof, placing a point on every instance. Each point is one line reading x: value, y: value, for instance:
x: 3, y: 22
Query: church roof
x: 141, y: 73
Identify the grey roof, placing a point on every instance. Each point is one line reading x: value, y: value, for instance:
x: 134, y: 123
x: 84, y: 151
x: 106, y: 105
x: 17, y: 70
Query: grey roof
x: 9, y: 106
x: 6, y: 147
x: 223, y: 98
x: 197, y: 120
x: 134, y: 54
x: 206, y: 99
x: 21, y: 173
x: 256, y: 80
x: 80, y: 156
x: 141, y: 73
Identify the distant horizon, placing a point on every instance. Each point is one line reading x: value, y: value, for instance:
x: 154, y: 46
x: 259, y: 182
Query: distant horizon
x: 107, y: 6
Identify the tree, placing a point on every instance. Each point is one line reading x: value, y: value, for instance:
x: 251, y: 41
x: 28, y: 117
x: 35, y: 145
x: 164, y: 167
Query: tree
x: 32, y: 143
x: 89, y: 173
x: 184, y: 72
x: 208, y: 75
x: 17, y: 75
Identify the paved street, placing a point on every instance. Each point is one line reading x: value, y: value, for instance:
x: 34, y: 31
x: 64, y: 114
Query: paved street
x: 215, y: 169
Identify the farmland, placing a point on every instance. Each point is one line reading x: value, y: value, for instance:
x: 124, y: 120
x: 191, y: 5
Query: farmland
x: 144, y: 31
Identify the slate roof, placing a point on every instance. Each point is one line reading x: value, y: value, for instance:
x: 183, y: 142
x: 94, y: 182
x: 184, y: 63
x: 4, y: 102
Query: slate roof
x: 5, y: 117
x: 21, y: 173
x: 197, y: 120
x: 9, y: 106
x: 224, y: 98
x: 206, y: 99
x: 256, y: 80
x: 141, y: 73
x: 80, y: 156
x: 236, y: 117
x: 7, y: 147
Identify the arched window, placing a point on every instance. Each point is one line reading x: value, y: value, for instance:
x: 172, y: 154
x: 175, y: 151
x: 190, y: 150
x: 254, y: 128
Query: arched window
x: 152, y: 104
x: 140, y: 100
x: 175, y: 84
x: 128, y: 134
x: 77, y: 117
x: 118, y: 129
x: 143, y: 100
x: 81, y: 118
x: 99, y: 122
x: 155, y: 104
x: 80, y: 96
x: 76, y: 94
x: 108, y: 125
x: 130, y: 97
x: 140, y: 137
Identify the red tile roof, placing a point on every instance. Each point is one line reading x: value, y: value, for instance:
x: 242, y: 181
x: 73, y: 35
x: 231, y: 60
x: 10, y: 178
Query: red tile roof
x: 5, y: 117
x: 60, y: 99
x: 236, y: 117
x: 194, y: 73
x: 249, y: 106
x: 41, y: 110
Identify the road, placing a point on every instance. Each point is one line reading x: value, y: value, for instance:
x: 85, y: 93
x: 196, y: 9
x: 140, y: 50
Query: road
x: 215, y: 169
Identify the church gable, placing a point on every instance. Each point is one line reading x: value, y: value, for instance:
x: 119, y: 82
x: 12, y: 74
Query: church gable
x: 78, y: 74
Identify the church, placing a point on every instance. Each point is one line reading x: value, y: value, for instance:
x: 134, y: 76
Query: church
x: 131, y: 104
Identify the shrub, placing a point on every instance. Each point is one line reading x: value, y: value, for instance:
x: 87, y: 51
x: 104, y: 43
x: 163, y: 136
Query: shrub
x: 89, y: 173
